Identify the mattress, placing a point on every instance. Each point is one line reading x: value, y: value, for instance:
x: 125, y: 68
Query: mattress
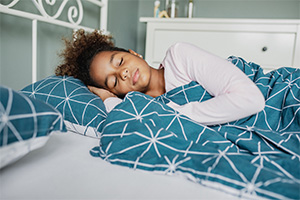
x: 64, y: 169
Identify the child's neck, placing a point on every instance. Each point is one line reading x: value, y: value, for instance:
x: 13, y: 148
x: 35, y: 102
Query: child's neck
x: 157, y: 84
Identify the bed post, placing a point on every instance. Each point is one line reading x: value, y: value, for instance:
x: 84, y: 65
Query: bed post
x: 103, y: 16
x: 34, y: 51
x: 43, y: 16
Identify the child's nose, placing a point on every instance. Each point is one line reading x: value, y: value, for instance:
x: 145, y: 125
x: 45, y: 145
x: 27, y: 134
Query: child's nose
x: 124, y: 74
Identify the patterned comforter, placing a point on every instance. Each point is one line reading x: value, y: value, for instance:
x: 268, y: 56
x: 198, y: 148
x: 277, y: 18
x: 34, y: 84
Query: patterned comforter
x: 257, y: 156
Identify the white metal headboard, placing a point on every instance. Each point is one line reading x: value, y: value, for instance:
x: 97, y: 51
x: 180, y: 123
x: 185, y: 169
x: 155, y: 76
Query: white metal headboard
x: 73, y: 13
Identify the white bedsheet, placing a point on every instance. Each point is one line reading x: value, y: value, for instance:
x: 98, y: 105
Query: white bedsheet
x: 64, y: 169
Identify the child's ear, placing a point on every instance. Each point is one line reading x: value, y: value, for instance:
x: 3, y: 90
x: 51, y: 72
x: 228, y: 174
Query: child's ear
x: 134, y: 53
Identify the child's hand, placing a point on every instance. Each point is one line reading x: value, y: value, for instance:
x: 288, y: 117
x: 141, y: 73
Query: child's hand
x: 102, y: 93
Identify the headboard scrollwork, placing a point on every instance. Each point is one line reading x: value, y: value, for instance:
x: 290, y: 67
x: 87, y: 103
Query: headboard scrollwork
x: 75, y: 12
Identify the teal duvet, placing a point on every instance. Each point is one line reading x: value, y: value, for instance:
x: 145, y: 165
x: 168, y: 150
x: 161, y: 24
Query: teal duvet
x: 257, y: 156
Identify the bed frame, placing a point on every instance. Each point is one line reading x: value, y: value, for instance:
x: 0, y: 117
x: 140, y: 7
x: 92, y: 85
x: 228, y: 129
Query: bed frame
x: 75, y: 16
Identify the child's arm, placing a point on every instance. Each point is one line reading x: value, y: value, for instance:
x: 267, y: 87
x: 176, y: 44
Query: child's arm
x: 109, y: 99
x: 235, y: 95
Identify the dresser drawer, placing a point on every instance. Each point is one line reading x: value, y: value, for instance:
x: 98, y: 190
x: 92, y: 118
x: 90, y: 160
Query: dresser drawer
x: 270, y: 50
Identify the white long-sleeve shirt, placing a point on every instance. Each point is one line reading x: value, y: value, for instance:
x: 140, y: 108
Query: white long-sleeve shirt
x: 235, y: 96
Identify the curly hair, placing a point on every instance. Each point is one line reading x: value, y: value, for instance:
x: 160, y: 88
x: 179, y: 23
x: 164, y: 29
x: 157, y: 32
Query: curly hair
x: 80, y: 52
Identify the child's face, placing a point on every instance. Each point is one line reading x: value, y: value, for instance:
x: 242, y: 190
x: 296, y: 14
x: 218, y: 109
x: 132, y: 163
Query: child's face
x: 120, y: 72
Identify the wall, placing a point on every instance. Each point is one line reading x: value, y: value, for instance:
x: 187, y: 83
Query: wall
x: 123, y: 23
x: 15, y: 43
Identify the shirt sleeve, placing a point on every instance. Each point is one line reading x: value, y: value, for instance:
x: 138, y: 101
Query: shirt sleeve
x: 235, y: 96
x: 111, y: 102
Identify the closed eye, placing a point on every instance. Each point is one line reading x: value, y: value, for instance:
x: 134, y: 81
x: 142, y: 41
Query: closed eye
x: 121, y: 62
x: 116, y: 80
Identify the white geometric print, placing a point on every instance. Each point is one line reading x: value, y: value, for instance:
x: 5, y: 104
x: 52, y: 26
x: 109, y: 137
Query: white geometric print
x: 24, y: 124
x: 257, y: 156
x: 83, y: 111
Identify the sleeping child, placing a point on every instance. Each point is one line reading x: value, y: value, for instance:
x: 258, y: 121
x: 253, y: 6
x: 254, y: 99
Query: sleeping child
x: 111, y: 72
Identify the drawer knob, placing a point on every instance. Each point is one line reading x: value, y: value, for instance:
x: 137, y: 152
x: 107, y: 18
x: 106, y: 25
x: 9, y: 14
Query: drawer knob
x: 264, y: 49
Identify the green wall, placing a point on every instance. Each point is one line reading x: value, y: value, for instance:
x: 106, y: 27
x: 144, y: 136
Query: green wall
x: 16, y: 39
x: 123, y: 24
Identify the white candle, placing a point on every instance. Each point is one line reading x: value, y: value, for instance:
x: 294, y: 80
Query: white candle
x: 173, y: 7
x: 190, y: 11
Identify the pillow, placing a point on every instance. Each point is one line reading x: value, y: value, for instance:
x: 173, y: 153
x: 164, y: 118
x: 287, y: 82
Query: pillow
x: 25, y: 124
x: 83, y: 111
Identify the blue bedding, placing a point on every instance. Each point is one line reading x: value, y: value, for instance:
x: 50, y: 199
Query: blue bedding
x: 257, y: 156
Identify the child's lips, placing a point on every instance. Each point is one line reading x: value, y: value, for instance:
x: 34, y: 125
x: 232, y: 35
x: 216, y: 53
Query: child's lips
x: 136, y: 76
